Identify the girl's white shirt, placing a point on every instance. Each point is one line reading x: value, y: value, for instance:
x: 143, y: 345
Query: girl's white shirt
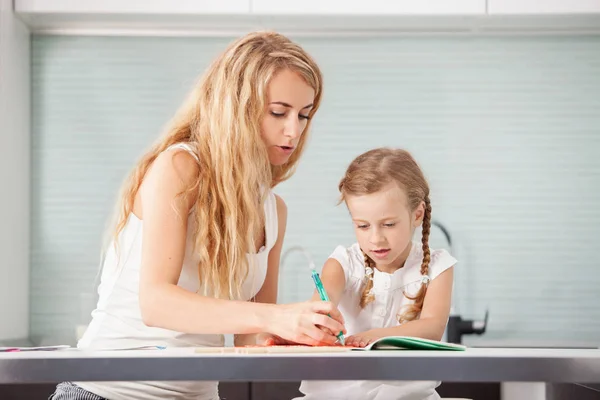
x: 383, y: 312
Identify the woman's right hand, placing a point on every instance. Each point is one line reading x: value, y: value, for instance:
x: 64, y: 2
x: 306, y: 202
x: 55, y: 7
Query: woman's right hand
x: 312, y: 323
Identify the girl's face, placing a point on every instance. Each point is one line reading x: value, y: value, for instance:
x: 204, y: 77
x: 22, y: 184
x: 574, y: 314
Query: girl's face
x: 289, y: 101
x: 384, y: 225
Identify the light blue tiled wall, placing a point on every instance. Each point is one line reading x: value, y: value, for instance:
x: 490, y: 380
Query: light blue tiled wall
x: 507, y: 130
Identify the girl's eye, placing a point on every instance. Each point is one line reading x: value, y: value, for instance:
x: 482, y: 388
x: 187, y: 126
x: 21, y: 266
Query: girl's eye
x: 275, y: 114
x: 389, y: 225
x: 362, y: 226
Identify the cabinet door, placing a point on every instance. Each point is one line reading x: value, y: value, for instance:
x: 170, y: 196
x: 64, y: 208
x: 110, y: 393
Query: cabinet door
x: 369, y: 7
x: 543, y: 6
x: 134, y: 6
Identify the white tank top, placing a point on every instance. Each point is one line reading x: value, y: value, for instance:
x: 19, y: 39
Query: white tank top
x: 117, y: 321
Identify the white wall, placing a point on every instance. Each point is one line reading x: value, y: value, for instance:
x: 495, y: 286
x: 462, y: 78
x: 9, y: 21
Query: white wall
x: 14, y: 174
x: 507, y: 130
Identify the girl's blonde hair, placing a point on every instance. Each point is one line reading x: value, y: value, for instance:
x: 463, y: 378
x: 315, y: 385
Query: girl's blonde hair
x: 221, y: 122
x: 371, y: 172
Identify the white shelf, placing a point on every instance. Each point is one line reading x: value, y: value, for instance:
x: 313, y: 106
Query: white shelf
x: 545, y: 7
x: 372, y: 7
x: 133, y: 7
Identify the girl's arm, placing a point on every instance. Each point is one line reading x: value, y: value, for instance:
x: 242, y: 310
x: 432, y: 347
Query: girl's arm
x: 268, y: 291
x: 164, y: 304
x: 334, y: 281
x: 432, y: 322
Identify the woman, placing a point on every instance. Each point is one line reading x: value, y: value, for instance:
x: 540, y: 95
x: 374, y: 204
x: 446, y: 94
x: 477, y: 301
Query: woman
x: 196, y: 246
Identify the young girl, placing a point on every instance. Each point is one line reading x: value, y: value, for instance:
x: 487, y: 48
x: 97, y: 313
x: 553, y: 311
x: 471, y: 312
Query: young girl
x: 196, y: 247
x: 386, y: 285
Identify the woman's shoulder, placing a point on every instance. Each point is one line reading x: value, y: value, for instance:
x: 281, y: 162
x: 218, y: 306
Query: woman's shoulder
x: 178, y: 163
x: 173, y: 172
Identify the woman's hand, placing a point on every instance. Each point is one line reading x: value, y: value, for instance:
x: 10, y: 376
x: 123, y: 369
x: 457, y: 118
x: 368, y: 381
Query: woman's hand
x: 268, y: 339
x: 260, y: 339
x: 312, y: 323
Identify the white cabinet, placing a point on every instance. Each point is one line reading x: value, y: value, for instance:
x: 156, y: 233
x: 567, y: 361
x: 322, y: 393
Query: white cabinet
x: 369, y: 7
x: 125, y: 7
x: 15, y: 177
x: 234, y: 17
x: 543, y: 7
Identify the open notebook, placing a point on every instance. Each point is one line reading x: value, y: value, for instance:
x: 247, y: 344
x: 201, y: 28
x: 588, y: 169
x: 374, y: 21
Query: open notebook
x: 386, y: 343
x: 409, y: 343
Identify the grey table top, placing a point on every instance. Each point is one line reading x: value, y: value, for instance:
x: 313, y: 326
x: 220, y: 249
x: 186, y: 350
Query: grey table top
x: 472, y: 365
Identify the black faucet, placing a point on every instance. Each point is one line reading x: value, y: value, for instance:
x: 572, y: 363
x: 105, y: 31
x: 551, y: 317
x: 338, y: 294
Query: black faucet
x: 457, y: 327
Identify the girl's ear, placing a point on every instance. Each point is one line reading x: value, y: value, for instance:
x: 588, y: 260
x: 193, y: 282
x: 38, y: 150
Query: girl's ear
x: 419, y: 214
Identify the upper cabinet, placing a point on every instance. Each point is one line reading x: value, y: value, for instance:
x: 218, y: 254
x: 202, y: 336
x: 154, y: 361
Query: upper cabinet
x: 129, y: 7
x: 543, y: 7
x: 369, y: 7
x: 232, y: 17
x: 308, y: 7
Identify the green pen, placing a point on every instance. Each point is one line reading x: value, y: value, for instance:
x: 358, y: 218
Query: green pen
x: 324, y: 297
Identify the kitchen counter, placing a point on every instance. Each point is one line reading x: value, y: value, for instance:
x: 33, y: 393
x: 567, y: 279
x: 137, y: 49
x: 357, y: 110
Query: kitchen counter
x: 472, y: 365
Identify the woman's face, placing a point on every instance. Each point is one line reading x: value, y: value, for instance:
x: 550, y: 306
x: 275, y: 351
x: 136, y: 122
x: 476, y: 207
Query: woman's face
x: 289, y: 101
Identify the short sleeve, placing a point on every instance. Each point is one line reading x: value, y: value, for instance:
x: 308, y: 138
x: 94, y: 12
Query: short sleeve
x: 441, y: 260
x: 352, y: 264
x: 340, y: 254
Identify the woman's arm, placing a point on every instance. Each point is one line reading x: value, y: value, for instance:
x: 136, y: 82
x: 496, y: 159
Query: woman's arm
x: 164, y: 304
x: 432, y: 322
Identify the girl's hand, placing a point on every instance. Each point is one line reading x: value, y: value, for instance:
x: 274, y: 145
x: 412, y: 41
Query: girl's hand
x: 362, y: 339
x: 312, y: 323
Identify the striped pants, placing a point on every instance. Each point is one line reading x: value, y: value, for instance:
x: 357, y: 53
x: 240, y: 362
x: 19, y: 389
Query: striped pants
x: 70, y: 391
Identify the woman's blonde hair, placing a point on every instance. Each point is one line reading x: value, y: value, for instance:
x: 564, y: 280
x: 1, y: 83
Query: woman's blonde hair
x: 221, y: 122
x: 371, y: 172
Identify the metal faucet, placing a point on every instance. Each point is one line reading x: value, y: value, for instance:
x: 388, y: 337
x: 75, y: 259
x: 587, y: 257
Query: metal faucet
x: 302, y: 250
x: 457, y: 327
x: 299, y: 274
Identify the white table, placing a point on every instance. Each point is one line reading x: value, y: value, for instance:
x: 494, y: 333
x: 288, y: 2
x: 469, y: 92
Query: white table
x: 526, y: 369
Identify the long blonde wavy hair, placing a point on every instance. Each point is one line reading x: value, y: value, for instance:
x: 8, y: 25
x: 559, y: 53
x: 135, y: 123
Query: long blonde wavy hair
x: 221, y: 122
x: 371, y: 172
